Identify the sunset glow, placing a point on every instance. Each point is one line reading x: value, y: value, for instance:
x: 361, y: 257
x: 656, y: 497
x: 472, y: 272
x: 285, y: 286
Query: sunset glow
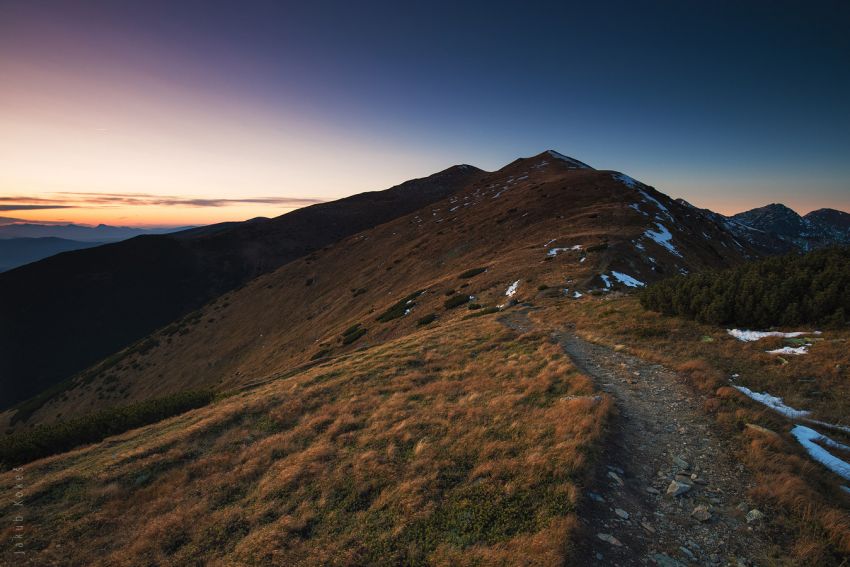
x: 263, y: 109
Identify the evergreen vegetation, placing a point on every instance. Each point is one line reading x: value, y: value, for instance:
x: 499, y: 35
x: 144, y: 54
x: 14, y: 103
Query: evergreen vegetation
x: 399, y: 308
x: 44, y: 440
x: 472, y: 273
x: 790, y: 290
x: 456, y: 301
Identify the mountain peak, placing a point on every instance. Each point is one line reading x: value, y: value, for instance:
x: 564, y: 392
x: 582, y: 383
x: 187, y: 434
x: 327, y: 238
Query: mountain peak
x: 571, y: 162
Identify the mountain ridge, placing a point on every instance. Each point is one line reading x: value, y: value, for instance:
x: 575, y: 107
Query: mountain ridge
x: 84, y: 305
x: 576, y: 230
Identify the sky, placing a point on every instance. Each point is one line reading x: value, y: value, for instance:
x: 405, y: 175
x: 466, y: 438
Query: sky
x: 192, y: 112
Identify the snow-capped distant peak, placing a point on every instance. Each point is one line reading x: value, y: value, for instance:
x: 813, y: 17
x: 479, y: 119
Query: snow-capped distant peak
x: 572, y: 162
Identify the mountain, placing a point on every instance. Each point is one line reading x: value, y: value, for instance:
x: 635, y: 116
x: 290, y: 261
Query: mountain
x: 100, y: 233
x: 824, y: 227
x: 546, y: 221
x: 16, y: 252
x: 464, y: 383
x: 61, y: 314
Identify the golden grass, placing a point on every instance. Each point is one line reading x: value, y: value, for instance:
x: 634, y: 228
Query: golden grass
x: 801, y: 497
x: 455, y: 446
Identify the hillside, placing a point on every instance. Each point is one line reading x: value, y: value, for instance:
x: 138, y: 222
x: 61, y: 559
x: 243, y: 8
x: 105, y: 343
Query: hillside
x: 396, y: 455
x: 540, y: 221
x: 84, y: 305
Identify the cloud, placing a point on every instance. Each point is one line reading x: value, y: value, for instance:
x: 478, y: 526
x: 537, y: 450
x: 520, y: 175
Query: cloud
x: 25, y: 207
x: 68, y: 200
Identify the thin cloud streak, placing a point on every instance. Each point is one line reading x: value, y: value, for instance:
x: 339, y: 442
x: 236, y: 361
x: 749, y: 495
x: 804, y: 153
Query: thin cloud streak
x: 24, y: 207
x: 78, y: 200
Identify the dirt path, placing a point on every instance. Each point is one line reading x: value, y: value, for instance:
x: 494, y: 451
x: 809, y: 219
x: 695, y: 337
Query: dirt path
x: 660, y: 437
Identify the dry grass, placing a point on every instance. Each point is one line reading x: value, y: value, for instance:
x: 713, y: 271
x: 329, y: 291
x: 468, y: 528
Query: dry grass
x: 456, y: 446
x: 802, y: 497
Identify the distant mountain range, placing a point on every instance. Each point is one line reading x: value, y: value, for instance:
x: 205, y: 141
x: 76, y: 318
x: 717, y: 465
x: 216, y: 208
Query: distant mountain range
x: 16, y: 252
x: 824, y: 227
x: 100, y: 233
x: 23, y: 243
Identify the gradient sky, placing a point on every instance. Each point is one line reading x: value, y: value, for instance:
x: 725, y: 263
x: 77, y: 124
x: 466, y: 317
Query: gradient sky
x: 186, y: 111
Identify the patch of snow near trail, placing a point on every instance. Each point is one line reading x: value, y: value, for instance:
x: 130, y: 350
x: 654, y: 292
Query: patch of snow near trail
x: 627, y: 280
x: 582, y: 260
x: 749, y: 336
x: 774, y: 403
x: 796, y: 351
x: 556, y: 251
x: 606, y: 280
x: 577, y: 294
x: 808, y: 437
x: 663, y: 237
x: 511, y: 291
x: 550, y: 242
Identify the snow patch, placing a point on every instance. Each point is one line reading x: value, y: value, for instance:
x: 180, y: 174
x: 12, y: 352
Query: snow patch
x: 796, y: 351
x: 512, y: 289
x: 627, y: 280
x: 663, y: 237
x: 606, y: 280
x: 749, y: 336
x: 774, y: 403
x: 556, y: 251
x: 573, y: 162
x: 808, y: 438
x: 626, y: 180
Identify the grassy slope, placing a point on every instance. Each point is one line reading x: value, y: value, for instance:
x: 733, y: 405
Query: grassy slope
x: 455, y: 445
x: 301, y: 311
x: 801, y: 497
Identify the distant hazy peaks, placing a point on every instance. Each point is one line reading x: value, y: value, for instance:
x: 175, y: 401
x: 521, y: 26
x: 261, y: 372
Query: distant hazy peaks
x: 574, y: 163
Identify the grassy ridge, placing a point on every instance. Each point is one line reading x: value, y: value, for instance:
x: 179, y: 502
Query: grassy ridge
x: 459, y: 445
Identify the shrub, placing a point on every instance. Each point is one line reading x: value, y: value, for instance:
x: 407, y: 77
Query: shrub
x: 399, y: 309
x: 320, y: 354
x: 353, y: 336
x: 790, y: 290
x: 485, y: 311
x: 456, y: 301
x: 472, y: 273
x: 44, y: 440
x: 427, y: 319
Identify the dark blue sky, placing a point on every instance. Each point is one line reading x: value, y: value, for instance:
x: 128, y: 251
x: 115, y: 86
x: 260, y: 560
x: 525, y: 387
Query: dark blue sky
x: 728, y: 104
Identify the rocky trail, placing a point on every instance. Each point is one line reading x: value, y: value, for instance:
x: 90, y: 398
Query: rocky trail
x: 667, y: 490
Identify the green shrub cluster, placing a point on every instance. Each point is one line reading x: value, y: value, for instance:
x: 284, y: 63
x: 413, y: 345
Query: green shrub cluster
x: 43, y: 440
x: 789, y: 290
x: 472, y: 273
x: 352, y: 333
x: 456, y: 301
x: 399, y: 308
x: 427, y: 319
